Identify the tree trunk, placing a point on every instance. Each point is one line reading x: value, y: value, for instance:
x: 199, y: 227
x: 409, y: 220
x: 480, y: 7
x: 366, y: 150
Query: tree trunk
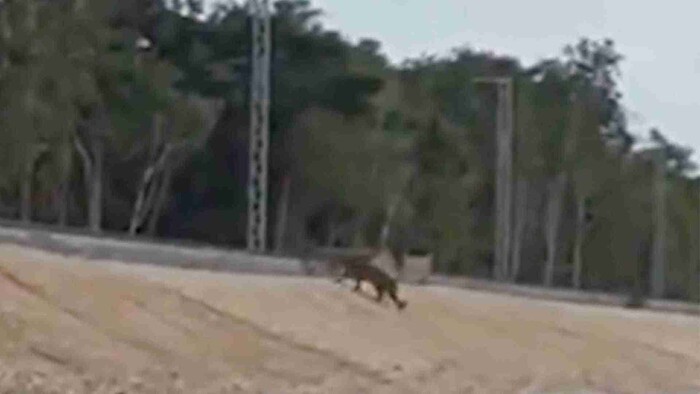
x: 88, y: 169
x: 282, y: 211
x: 63, y: 204
x: 30, y: 108
x: 580, y: 238
x: 25, y: 208
x: 161, y: 197
x: 148, y: 191
x: 27, y: 181
x: 555, y: 197
x: 138, y: 213
x: 66, y: 170
x: 332, y: 236
x: 643, y: 246
x: 295, y: 237
x: 386, y: 227
x: 95, y: 196
x: 520, y: 226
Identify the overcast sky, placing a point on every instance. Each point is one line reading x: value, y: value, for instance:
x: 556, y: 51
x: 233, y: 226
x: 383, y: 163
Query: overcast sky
x: 661, y: 80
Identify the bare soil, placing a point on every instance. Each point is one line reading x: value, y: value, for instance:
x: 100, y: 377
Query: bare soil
x: 70, y: 325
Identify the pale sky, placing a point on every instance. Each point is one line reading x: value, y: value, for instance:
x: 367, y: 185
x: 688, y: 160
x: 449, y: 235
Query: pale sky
x: 661, y: 72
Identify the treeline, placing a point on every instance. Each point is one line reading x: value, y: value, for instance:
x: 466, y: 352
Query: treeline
x: 132, y: 116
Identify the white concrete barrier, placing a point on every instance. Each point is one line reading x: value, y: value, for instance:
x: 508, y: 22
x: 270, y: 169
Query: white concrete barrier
x: 417, y: 269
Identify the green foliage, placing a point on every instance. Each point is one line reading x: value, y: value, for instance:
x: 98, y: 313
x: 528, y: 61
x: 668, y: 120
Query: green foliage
x: 444, y: 191
x: 355, y: 134
x: 678, y: 157
x: 348, y: 159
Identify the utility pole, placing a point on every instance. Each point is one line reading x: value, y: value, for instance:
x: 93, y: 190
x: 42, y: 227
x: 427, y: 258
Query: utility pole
x: 658, y: 257
x: 504, y: 173
x: 259, y: 124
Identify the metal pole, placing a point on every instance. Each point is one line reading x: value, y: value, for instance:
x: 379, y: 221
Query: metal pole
x: 259, y: 125
x: 504, y: 173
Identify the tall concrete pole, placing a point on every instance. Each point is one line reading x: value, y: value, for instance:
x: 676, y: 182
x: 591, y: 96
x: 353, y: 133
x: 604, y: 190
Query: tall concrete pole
x: 658, y: 257
x: 259, y: 124
x: 504, y: 174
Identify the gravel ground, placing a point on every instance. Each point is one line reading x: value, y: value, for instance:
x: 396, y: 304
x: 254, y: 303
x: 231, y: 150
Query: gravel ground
x: 71, y: 325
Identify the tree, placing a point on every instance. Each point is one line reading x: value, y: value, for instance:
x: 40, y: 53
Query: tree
x: 149, y: 99
x: 670, y: 161
x: 551, y: 103
x: 350, y: 161
x: 179, y: 124
x: 313, y: 69
x: 448, y: 181
x: 19, y: 22
x: 588, y: 171
x: 576, y: 108
x: 115, y: 99
x: 34, y: 115
x: 593, y: 69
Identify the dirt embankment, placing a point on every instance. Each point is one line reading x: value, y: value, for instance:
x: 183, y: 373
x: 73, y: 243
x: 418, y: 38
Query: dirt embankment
x: 68, y: 324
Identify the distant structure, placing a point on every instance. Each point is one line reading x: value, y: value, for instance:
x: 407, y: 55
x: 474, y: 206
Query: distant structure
x: 259, y: 11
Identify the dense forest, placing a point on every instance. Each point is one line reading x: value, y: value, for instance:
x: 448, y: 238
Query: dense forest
x: 132, y: 116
